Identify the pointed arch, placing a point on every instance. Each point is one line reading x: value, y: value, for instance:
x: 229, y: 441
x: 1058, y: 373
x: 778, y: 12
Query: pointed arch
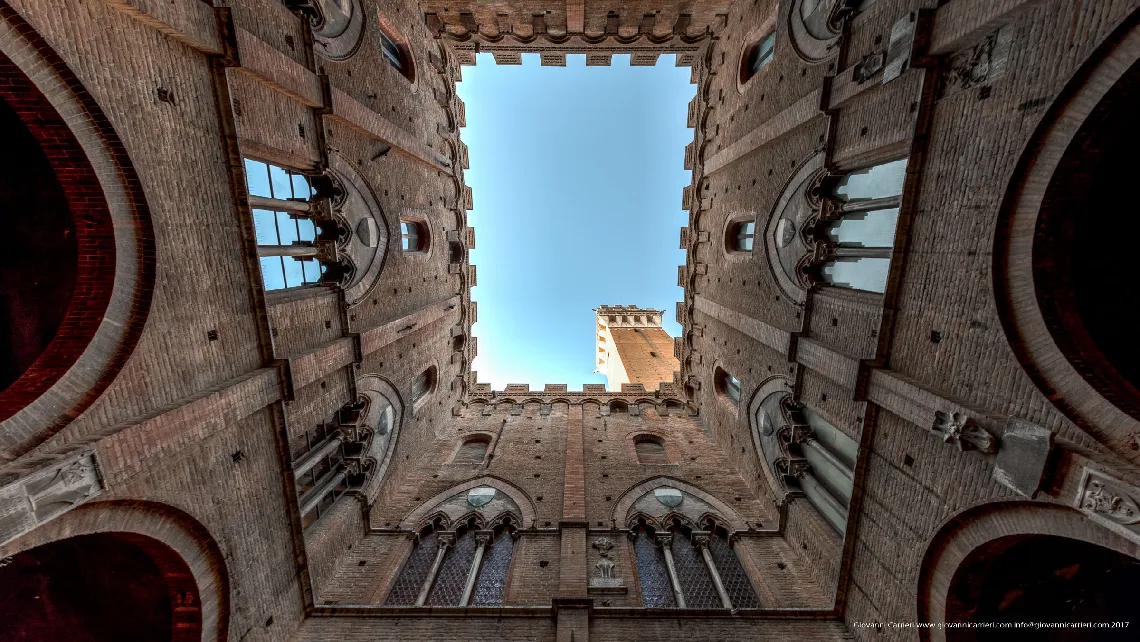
x: 375, y: 388
x: 625, y: 502
x: 527, y: 510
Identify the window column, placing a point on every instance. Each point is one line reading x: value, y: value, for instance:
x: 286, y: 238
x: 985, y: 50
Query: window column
x: 701, y: 541
x: 666, y: 543
x: 444, y: 539
x: 482, y: 541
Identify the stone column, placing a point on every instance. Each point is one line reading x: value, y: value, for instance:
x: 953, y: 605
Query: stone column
x: 482, y: 541
x: 444, y: 540
x: 666, y: 544
x: 701, y: 541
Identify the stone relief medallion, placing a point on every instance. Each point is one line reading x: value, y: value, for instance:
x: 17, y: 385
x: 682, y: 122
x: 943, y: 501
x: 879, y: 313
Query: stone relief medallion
x: 670, y: 497
x: 480, y: 496
x: 785, y: 232
x: 1111, y: 502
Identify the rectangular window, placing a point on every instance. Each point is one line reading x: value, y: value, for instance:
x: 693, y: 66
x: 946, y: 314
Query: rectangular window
x: 745, y: 232
x: 421, y: 386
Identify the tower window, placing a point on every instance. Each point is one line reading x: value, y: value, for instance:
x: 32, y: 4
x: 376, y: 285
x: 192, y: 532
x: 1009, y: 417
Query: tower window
x: 413, y: 236
x: 423, y: 385
x: 740, y: 236
x: 473, y: 451
x: 758, y: 56
x: 650, y: 450
x: 727, y: 385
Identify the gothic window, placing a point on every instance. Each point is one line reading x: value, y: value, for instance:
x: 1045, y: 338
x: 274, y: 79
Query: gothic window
x: 472, y: 452
x: 337, y: 14
x: 692, y: 574
x: 461, y: 567
x: 805, y: 452
x: 331, y: 459
x: 862, y: 232
x: 740, y: 236
x: 423, y: 385
x: 732, y: 575
x: 690, y: 568
x: 413, y: 236
x: 493, y: 573
x: 728, y: 385
x: 757, y: 56
x: 650, y: 449
x: 286, y: 233
x: 656, y: 587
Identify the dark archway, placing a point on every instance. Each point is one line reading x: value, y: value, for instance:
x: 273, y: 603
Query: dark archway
x: 95, y: 588
x: 1082, y: 254
x: 1043, y: 578
x: 38, y: 268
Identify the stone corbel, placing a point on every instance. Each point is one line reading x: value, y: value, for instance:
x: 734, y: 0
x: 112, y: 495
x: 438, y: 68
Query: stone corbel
x: 960, y: 430
x: 791, y: 466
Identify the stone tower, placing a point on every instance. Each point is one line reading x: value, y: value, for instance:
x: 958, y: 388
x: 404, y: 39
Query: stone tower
x: 632, y: 347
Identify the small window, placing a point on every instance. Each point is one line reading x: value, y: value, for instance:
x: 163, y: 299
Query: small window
x: 728, y: 385
x: 758, y: 56
x: 454, y: 252
x: 395, y: 53
x: 740, y: 236
x: 473, y: 451
x: 423, y: 384
x: 650, y: 450
x: 413, y: 236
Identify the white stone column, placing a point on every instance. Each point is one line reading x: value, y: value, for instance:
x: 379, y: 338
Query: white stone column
x: 701, y: 541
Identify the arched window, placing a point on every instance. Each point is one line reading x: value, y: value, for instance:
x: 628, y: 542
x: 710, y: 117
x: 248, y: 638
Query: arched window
x: 740, y: 236
x: 619, y: 406
x: 473, y: 451
x: 757, y: 56
x: 282, y: 219
x: 689, y: 568
x: 466, y: 566
x: 650, y: 449
x: 413, y: 236
x: 395, y: 50
x: 863, y: 232
x: 727, y: 385
x: 804, y: 451
x: 333, y: 457
x: 423, y: 385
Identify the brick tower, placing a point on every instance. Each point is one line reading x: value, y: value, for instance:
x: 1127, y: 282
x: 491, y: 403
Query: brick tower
x: 632, y: 347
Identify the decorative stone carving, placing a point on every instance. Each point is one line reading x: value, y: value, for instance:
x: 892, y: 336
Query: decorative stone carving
x: 605, y: 566
x: 979, y: 64
x: 1110, y: 502
x: 1113, y: 504
x: 700, y: 539
x: 870, y: 65
x: 792, y: 466
x: 47, y: 494
x: 484, y: 538
x: 960, y: 430
x: 794, y: 433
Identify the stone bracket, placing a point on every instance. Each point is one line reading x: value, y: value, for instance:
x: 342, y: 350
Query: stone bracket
x: 48, y: 493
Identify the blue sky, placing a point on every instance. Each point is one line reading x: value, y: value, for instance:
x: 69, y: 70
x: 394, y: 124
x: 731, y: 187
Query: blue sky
x: 577, y: 174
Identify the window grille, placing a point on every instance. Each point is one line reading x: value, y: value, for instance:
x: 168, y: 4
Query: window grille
x: 691, y: 569
x: 470, y: 568
x: 656, y: 589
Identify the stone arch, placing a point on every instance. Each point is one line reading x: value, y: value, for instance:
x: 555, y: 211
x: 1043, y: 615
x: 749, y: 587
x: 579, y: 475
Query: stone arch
x: 175, y: 541
x: 1068, y: 371
x: 624, y: 503
x: 518, y: 496
x: 367, y: 245
x: 771, y: 385
x: 968, y: 531
x: 115, y: 269
x: 785, y: 245
x: 370, y: 385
